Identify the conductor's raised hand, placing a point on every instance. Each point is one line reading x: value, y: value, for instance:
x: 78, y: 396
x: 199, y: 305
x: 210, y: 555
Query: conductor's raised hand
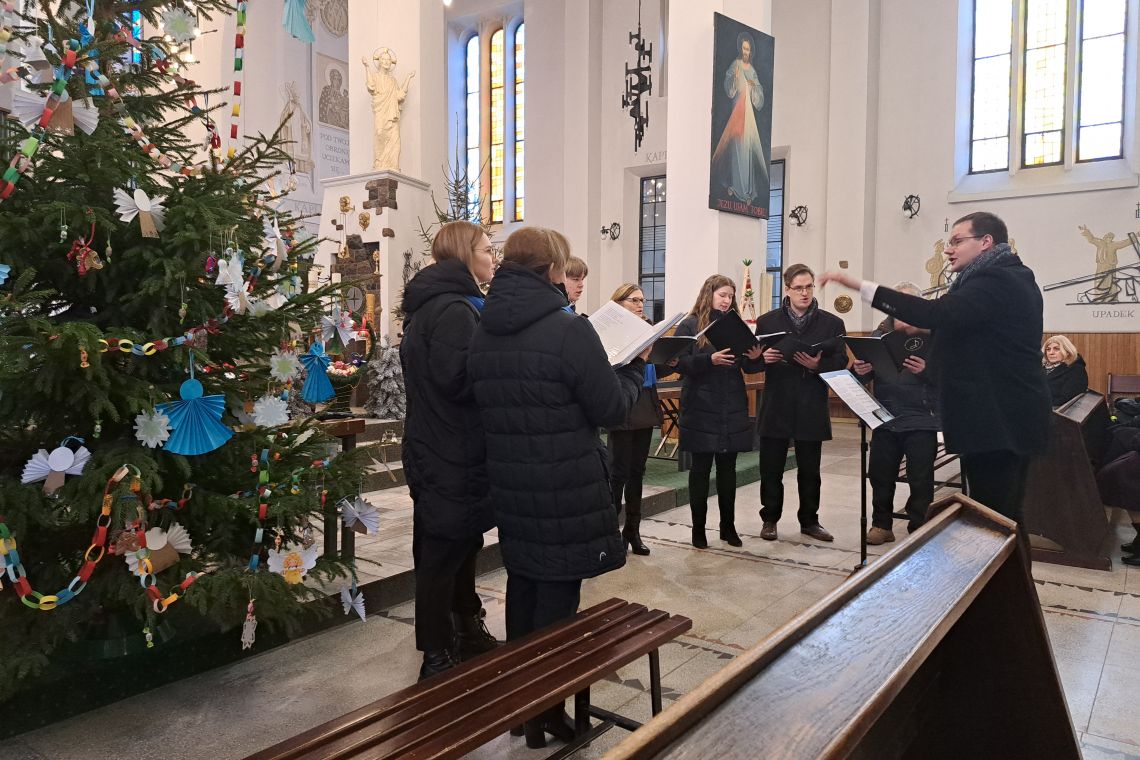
x: 807, y: 360
x: 914, y: 364
x: 772, y: 356
x: 723, y: 358
x: 861, y: 367
x: 842, y: 278
x: 754, y: 352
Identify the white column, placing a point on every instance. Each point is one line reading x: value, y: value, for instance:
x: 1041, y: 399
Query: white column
x: 701, y: 241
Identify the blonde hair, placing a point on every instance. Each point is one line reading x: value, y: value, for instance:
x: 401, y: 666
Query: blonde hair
x: 542, y: 250
x: 624, y: 291
x: 576, y: 268
x: 703, y: 304
x: 456, y: 240
x: 1068, y: 350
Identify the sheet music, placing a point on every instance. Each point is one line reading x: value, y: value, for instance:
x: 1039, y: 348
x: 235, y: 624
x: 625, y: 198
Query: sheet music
x: 625, y: 335
x: 856, y: 397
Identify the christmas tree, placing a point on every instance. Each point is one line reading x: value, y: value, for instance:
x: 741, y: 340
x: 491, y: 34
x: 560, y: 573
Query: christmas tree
x: 386, y: 398
x: 152, y: 319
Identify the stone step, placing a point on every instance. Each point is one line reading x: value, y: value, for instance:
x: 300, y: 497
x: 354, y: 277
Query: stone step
x: 377, y: 477
x: 377, y: 430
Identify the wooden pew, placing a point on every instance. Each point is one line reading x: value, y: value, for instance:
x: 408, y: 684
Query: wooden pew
x: 1062, y: 503
x: 937, y: 651
x: 451, y: 714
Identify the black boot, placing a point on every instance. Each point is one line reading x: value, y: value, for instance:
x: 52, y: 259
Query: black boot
x: 631, y: 533
x: 728, y: 535
x: 471, y: 635
x: 436, y: 661
x: 558, y: 724
x: 535, y: 736
x: 699, y: 539
x: 728, y: 524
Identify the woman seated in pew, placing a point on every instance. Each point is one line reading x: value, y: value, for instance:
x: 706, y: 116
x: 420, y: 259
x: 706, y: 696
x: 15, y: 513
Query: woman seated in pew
x: 1064, y: 369
x: 912, y: 397
x: 544, y: 385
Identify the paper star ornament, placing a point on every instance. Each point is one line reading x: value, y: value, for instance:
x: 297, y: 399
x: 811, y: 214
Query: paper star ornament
x: 270, y: 411
x: 359, y: 515
x: 178, y: 24
x: 152, y: 428
x: 283, y: 365
x: 337, y: 329
x: 352, y: 600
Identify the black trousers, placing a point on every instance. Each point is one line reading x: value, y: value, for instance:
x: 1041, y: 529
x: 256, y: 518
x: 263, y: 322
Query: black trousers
x: 997, y: 479
x: 534, y: 604
x: 887, y: 451
x: 629, y: 449
x: 445, y: 583
x: 725, y: 487
x: 773, y: 457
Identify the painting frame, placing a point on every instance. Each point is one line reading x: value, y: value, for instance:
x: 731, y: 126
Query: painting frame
x: 741, y: 145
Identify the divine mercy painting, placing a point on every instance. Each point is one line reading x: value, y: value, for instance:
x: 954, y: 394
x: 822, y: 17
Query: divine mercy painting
x: 741, y: 118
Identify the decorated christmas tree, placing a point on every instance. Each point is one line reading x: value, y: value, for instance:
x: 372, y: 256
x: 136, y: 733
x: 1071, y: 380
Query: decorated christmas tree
x: 152, y: 321
x: 386, y: 397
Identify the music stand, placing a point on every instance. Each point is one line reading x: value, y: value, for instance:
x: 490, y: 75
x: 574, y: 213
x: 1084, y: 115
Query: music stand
x: 871, y: 414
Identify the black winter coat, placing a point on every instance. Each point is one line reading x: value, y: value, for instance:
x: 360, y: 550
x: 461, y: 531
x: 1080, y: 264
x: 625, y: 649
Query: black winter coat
x: 912, y: 399
x: 544, y: 387
x: 1067, y: 381
x: 793, y: 405
x: 714, y: 402
x: 444, y: 453
x: 987, y: 349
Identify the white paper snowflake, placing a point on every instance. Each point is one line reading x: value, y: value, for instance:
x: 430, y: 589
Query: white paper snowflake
x: 152, y: 428
x: 237, y: 298
x: 178, y: 24
x: 283, y: 365
x: 259, y: 307
x: 270, y: 411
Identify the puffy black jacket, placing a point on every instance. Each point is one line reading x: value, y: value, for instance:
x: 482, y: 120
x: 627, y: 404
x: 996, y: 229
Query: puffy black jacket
x: 911, y: 398
x: 544, y: 387
x: 987, y: 349
x: 794, y: 402
x: 444, y: 453
x: 1068, y: 381
x: 714, y: 403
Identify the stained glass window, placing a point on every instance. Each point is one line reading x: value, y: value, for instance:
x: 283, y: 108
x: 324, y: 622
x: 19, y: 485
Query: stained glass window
x: 474, y: 122
x: 993, y: 40
x: 520, y: 56
x: 1100, y: 116
x: 774, y: 263
x: 651, y: 257
x: 1046, y: 24
x: 498, y: 124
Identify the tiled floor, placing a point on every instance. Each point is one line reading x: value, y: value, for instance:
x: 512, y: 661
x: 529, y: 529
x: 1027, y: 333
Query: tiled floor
x: 735, y: 597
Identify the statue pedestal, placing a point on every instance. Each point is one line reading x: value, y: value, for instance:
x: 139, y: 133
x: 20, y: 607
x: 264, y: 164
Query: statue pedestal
x: 393, y: 205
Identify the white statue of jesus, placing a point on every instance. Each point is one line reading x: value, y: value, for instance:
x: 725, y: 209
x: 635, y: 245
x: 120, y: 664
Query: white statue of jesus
x: 387, y: 100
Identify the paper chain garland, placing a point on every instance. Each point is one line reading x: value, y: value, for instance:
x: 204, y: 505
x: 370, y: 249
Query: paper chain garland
x: 10, y: 557
x: 239, y: 77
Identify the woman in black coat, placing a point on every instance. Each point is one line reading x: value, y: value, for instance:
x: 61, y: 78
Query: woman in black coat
x: 1064, y: 369
x: 714, y: 410
x: 793, y: 407
x: 544, y: 387
x: 443, y: 449
x: 629, y: 442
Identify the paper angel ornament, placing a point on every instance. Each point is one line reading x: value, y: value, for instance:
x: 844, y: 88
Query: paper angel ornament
x: 359, y: 515
x: 230, y: 270
x: 283, y: 365
x: 270, y: 411
x: 295, y: 22
x: 29, y: 108
x: 337, y: 329
x: 317, y: 386
x: 152, y: 428
x: 293, y: 561
x: 162, y: 548
x: 54, y: 468
x: 179, y: 25
x: 277, y: 248
x: 149, y: 210
x: 196, y: 420
x: 352, y: 600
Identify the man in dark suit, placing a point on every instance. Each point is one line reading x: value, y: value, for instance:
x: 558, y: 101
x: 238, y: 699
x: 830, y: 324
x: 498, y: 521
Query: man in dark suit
x: 987, y: 335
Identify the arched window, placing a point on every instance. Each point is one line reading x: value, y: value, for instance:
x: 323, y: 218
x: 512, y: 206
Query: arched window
x: 492, y: 117
x: 1066, y: 59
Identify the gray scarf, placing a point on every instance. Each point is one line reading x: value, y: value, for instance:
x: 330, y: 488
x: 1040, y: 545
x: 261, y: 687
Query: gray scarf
x: 987, y: 259
x: 797, y: 321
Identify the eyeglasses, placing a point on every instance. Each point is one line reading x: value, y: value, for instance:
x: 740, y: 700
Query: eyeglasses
x: 802, y: 288
x: 634, y: 300
x: 957, y: 241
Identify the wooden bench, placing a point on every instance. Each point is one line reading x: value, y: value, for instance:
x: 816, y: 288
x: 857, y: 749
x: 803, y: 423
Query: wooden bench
x: 937, y: 651
x: 451, y: 714
x: 942, y: 457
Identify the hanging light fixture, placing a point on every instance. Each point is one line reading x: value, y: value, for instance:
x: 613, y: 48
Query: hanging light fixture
x: 638, y: 83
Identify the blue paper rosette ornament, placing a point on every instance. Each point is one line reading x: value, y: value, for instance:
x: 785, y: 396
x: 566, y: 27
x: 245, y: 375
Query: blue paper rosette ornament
x: 318, y: 387
x: 196, y: 420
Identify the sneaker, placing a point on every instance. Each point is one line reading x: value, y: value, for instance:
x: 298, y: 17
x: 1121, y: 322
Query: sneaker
x: 817, y: 532
x: 876, y: 536
x: 768, y: 532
